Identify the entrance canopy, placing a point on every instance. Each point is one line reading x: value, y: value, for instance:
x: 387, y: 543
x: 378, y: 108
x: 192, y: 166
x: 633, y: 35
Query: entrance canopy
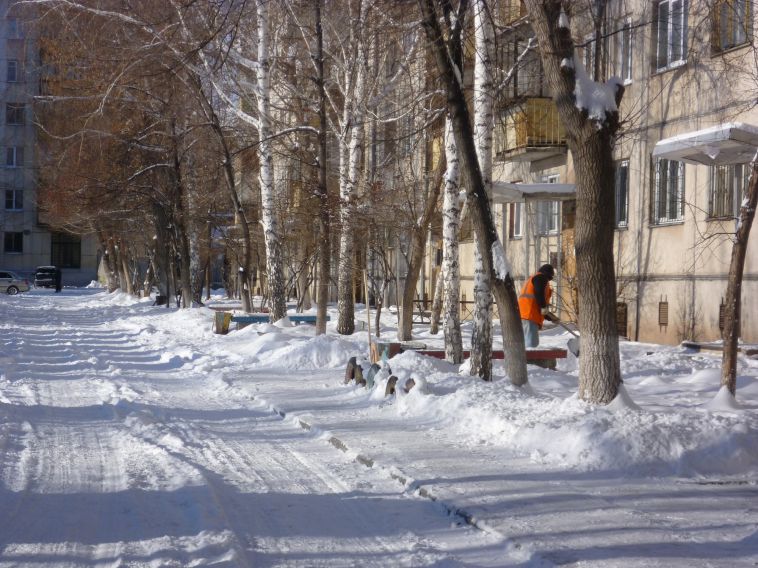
x: 503, y: 192
x: 731, y: 143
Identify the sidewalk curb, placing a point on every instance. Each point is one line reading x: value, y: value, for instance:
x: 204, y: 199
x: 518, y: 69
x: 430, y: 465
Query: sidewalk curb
x: 412, y: 485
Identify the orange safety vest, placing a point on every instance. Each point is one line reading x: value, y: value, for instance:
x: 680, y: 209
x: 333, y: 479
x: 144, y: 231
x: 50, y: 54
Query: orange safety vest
x: 527, y: 302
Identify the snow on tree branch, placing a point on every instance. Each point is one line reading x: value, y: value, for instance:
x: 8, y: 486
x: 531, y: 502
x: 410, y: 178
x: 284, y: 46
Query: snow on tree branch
x: 597, y: 99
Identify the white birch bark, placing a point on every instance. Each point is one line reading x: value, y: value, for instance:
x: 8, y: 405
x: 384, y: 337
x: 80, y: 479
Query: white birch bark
x: 351, y: 160
x: 481, y: 336
x: 451, y: 214
x: 272, y: 238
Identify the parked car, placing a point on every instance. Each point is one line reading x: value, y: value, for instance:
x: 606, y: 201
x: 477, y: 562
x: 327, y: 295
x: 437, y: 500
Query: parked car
x: 11, y: 283
x: 44, y: 276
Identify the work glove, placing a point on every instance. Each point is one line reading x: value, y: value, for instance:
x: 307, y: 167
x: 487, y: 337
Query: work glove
x: 549, y: 316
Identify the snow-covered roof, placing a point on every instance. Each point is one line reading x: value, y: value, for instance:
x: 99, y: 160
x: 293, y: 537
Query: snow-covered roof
x: 504, y: 192
x: 730, y: 143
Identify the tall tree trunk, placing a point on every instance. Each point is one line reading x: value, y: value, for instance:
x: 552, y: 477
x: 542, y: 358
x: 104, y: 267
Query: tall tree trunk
x: 180, y: 227
x: 108, y: 261
x: 271, y: 234
x: 451, y: 217
x: 324, y: 211
x: 351, y: 157
x: 447, y: 54
x: 481, y: 335
x: 733, y: 300
x: 439, y: 286
x: 591, y: 138
x: 124, y: 272
x: 416, y: 255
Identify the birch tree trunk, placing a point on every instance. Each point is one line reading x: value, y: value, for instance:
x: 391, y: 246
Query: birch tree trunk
x: 351, y: 158
x: 481, y: 336
x: 447, y: 55
x: 733, y: 300
x: 451, y: 216
x: 591, y: 139
x: 271, y: 233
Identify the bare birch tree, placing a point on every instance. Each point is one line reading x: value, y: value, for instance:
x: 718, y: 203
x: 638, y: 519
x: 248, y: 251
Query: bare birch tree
x: 447, y: 49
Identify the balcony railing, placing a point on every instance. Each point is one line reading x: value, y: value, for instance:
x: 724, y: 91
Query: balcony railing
x: 530, y: 131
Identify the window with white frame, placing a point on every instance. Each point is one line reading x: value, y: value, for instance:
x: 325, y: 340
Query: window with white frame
x: 547, y: 217
x: 515, y: 220
x: 11, y: 71
x: 624, y: 50
x: 728, y: 184
x: 670, y: 33
x: 622, y: 193
x: 14, y: 156
x: 668, y: 199
x: 732, y: 23
x: 14, y: 199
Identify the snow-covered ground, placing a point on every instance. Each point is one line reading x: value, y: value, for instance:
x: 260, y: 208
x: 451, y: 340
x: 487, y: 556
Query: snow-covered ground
x: 131, y: 435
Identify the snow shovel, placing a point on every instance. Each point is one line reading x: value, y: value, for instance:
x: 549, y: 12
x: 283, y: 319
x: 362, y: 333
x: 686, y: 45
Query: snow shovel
x: 573, y: 343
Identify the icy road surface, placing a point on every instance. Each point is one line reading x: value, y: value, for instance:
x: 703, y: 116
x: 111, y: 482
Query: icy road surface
x: 114, y: 452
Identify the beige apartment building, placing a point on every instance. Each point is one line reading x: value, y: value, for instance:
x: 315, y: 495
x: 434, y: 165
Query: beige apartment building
x: 687, y: 66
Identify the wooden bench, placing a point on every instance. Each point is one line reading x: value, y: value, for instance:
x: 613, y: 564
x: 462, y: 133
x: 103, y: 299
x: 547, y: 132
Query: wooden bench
x: 243, y: 320
x: 304, y: 318
x: 247, y: 319
x: 542, y: 357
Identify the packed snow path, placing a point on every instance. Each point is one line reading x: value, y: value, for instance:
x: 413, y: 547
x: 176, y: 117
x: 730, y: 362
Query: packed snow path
x: 114, y: 451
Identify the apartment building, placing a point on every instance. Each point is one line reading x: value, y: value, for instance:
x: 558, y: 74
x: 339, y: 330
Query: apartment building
x: 687, y: 66
x: 27, y: 240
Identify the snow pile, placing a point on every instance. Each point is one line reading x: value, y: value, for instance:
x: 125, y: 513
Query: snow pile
x: 598, y: 99
x: 320, y: 352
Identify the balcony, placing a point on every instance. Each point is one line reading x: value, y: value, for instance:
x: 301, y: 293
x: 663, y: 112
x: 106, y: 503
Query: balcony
x: 530, y: 131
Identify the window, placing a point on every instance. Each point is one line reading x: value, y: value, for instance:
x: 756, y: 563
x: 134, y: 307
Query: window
x: 14, y: 199
x: 12, y: 28
x: 728, y: 184
x: 671, y: 33
x: 668, y: 200
x: 14, y: 156
x: 515, y: 220
x: 11, y: 75
x: 65, y: 250
x: 622, y: 319
x: 624, y: 50
x: 622, y: 193
x: 14, y: 113
x: 663, y: 313
x: 14, y: 242
x: 732, y: 23
x: 547, y: 217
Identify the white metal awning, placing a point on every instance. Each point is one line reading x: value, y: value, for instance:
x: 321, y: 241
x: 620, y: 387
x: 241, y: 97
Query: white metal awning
x: 731, y: 143
x: 504, y: 192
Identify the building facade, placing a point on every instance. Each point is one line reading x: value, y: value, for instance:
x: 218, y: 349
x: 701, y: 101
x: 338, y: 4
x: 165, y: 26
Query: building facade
x: 27, y: 241
x: 686, y: 66
x: 683, y: 66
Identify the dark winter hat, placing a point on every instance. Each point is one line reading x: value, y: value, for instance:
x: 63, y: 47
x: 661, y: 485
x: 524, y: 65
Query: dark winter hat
x: 547, y: 270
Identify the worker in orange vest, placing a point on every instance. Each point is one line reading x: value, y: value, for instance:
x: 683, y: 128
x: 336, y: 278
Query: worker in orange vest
x: 533, y: 304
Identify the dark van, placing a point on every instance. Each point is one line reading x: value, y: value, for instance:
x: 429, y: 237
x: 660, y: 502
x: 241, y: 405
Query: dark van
x: 44, y: 276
